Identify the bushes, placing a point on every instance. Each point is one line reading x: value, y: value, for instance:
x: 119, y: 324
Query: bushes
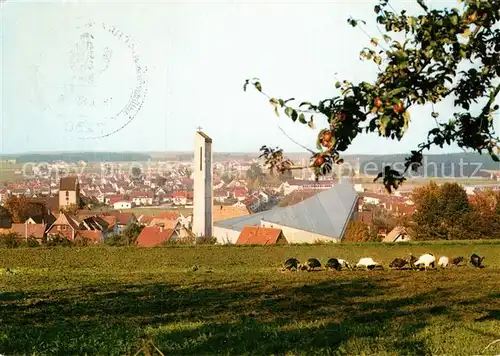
x: 30, y: 242
x: 115, y: 240
x: 11, y: 240
x: 58, y: 240
x: 206, y: 240
x: 445, y: 212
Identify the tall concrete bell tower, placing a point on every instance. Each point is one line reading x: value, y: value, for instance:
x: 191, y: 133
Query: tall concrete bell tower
x: 203, y: 185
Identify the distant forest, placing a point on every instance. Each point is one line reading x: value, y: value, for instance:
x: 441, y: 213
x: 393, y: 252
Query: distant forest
x: 444, y: 165
x: 79, y: 156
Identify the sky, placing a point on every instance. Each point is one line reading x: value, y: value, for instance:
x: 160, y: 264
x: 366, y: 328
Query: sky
x: 186, y: 69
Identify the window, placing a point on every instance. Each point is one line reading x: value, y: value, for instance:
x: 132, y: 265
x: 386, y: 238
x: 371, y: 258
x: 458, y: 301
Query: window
x: 201, y: 158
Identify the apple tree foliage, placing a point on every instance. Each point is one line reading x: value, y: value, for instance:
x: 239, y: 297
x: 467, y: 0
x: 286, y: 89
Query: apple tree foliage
x: 448, y: 53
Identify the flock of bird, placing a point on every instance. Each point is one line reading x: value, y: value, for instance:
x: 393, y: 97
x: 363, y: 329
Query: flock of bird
x: 425, y: 261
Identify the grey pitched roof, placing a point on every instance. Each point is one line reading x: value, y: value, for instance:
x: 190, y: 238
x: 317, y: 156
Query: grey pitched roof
x: 326, y: 213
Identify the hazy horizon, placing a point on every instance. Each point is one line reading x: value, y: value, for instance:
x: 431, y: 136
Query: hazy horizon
x: 197, y: 56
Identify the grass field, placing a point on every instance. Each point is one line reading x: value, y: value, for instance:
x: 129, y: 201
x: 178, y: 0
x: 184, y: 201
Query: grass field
x: 110, y: 301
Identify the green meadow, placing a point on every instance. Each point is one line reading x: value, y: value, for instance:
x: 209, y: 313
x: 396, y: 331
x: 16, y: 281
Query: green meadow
x: 218, y: 300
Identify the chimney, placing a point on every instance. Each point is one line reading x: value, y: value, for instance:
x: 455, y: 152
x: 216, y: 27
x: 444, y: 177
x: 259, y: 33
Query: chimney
x: 161, y: 228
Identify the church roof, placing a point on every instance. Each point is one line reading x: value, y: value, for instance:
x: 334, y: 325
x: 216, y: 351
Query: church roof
x: 326, y: 213
x: 205, y: 136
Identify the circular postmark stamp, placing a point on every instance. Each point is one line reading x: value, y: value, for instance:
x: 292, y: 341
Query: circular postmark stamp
x: 99, y: 84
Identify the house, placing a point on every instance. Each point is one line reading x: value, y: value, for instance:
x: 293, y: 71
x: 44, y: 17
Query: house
x: 27, y: 230
x: 142, y: 197
x: 169, y: 215
x: 240, y: 193
x: 371, y: 198
x: 94, y: 223
x: 154, y: 236
x: 221, y: 195
x: 65, y: 225
x: 69, y: 191
x: 239, y: 204
x: 359, y: 188
x: 123, y: 204
x: 223, y: 212
x: 123, y: 219
x: 112, y: 223
x: 180, y: 198
x: 399, y: 234
x: 304, y: 184
x: 92, y: 237
x: 257, y: 235
x: 263, y: 197
x: 145, y: 219
x: 252, y: 203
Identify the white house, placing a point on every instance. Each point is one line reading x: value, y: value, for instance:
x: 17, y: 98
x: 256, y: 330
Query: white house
x: 359, y: 188
x: 122, y: 205
x: 264, y: 198
x: 142, y: 198
x: 180, y: 198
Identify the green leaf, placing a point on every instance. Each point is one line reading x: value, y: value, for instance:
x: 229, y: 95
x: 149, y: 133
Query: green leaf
x: 288, y: 111
x: 435, y: 115
x: 338, y: 85
x: 396, y: 92
x: 387, y: 38
x: 377, y: 9
x: 302, y: 118
x: 495, y: 158
x: 454, y: 20
x: 258, y: 86
x: 422, y: 4
x: 276, y: 111
x: 294, y: 115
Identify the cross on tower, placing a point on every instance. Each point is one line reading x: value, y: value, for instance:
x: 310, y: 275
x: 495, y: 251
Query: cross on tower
x: 199, y: 128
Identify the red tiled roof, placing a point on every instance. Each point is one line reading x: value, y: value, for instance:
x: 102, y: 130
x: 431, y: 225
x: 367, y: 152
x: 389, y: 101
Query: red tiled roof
x: 256, y: 235
x: 66, y: 219
x: 141, y: 194
x: 240, y: 192
x: 121, y: 218
x: 115, y: 199
x: 111, y: 220
x: 145, y: 219
x: 27, y: 230
x: 153, y: 236
x: 168, y: 215
x: 93, y: 236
